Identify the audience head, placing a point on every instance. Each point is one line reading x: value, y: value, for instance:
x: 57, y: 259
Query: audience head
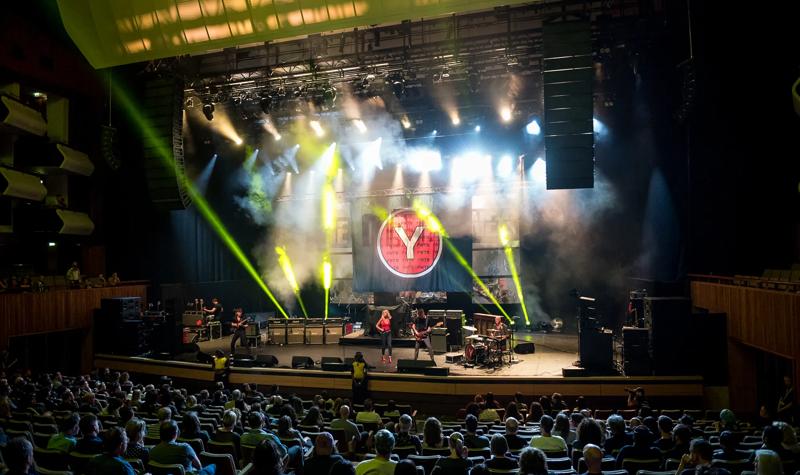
x: 652, y: 424
x: 191, y: 423
x: 266, y: 458
x: 432, y: 432
x: 768, y: 462
x: 665, y: 424
x: 229, y: 419
x: 642, y: 436
x: 136, y: 430
x: 19, y: 455
x: 69, y: 425
x: 512, y: 424
x: 773, y: 437
x: 89, y: 425
x: 682, y: 434
x: 590, y: 432
x: 168, y: 431
x: 284, y: 425
x: 456, y: 443
x: 561, y: 425
x: 344, y: 412
x: 498, y: 445
x: 535, y: 411
x: 384, y: 443
x: 471, y: 423
x: 532, y: 461
x: 546, y: 423
x: 115, y: 442
x: 164, y: 414
x: 368, y: 405
x: 616, y: 424
x: 404, y: 424
x: 789, y: 435
x: 479, y: 469
x: 255, y: 420
x: 405, y: 467
x: 324, y: 444
x: 727, y: 440
x: 593, y: 455
x: 701, y: 451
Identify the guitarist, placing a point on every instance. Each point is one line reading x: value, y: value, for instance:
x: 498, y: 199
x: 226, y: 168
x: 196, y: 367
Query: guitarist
x: 239, y: 327
x: 422, y: 330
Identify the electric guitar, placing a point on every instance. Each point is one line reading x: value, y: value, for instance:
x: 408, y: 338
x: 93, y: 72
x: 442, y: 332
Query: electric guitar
x: 421, y: 335
x: 242, y: 324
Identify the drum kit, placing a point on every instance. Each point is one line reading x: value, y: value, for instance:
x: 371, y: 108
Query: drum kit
x: 484, y: 351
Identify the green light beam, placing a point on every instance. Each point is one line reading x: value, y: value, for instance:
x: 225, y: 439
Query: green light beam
x: 205, y: 209
x: 509, y: 252
x: 286, y: 266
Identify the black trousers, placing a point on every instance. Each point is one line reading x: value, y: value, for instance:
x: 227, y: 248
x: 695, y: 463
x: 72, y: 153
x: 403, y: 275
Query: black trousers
x: 386, y: 342
x: 239, y: 334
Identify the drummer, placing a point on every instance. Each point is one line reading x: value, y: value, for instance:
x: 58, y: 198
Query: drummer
x: 499, y: 332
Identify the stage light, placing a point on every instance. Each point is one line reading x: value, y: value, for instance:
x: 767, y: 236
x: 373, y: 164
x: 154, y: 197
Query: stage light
x: 599, y: 128
x: 208, y: 111
x: 434, y: 132
x: 277, y: 137
x: 360, y: 126
x: 533, y: 128
x: 539, y: 170
x: 51, y: 244
x: 317, y: 128
x: 477, y: 129
x: 237, y: 140
x: 455, y: 120
x: 202, y: 180
x: 425, y: 160
x: 506, y: 166
x: 405, y: 122
x: 286, y: 266
x: 503, y: 232
x: 505, y: 114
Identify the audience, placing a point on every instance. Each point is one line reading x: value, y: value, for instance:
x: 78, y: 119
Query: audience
x: 500, y: 460
x: 767, y: 462
x: 18, y: 456
x: 169, y: 452
x: 548, y: 442
x: 191, y: 428
x: 699, y: 460
x: 562, y: 427
x: 640, y: 449
x: 432, y: 434
x: 532, y: 462
x: 472, y: 440
x: 728, y: 448
x: 324, y: 456
x: 457, y: 462
x: 343, y: 422
x: 682, y: 435
x: 267, y: 459
x: 368, y: 415
x: 405, y: 467
x: 514, y: 441
x: 226, y: 434
x: 593, y: 456
x: 382, y: 463
x: 404, y: 438
x: 135, y: 431
x: 65, y: 440
x: 665, y: 442
x: 111, y: 461
x: 91, y: 442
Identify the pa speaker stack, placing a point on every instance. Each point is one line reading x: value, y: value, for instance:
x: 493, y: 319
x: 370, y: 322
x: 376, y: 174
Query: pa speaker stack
x: 669, y: 320
x: 302, y: 362
x: 636, y: 351
x: 567, y: 76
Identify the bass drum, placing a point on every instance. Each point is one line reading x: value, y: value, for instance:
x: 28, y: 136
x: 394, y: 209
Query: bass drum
x: 480, y: 354
x: 469, y: 353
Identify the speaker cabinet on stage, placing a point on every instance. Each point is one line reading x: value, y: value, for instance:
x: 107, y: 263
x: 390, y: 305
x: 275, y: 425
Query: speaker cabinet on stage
x: 266, y: 361
x: 277, y: 330
x: 243, y: 360
x: 295, y: 332
x: 333, y: 330
x: 669, y: 320
x: 315, y: 332
x: 332, y: 366
x: 636, y: 351
x: 331, y: 359
x: 302, y: 362
x: 526, y: 348
x: 597, y: 351
x: 426, y: 367
x: 453, y: 325
x: 439, y: 340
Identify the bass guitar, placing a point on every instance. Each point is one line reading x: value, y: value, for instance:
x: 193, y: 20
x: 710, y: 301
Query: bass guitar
x: 421, y: 335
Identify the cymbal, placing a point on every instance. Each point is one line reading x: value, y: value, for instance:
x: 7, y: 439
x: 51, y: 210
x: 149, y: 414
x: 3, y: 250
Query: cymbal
x: 472, y: 329
x: 474, y: 337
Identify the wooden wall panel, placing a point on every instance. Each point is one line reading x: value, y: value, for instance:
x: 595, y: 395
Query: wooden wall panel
x: 29, y: 313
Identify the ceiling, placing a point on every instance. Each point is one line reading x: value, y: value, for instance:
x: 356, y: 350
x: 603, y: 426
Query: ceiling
x: 116, y: 32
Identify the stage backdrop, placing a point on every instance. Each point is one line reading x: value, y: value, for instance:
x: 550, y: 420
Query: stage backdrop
x: 394, y: 250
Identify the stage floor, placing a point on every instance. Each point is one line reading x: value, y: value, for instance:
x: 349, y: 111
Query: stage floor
x: 554, y: 351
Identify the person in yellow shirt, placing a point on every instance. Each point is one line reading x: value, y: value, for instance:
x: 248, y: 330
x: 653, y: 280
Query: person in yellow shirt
x: 359, y: 373
x: 220, y: 364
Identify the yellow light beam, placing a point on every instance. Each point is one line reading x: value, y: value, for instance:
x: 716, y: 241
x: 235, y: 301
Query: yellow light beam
x: 286, y: 265
x: 509, y: 252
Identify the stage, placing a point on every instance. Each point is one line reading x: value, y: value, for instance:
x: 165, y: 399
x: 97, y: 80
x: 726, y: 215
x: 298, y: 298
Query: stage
x: 553, y: 352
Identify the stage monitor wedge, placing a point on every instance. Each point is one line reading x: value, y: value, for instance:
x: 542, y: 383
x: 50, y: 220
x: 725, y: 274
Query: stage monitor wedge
x: 567, y: 78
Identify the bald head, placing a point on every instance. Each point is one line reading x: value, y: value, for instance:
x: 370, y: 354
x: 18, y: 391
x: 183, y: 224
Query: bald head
x: 344, y: 412
x: 593, y: 456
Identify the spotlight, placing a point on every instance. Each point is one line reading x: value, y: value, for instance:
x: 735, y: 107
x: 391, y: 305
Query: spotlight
x: 505, y: 114
x: 405, y: 122
x: 51, y: 244
x: 434, y: 132
x: 456, y: 120
x: 477, y: 129
x: 208, y: 111
x: 315, y: 125
x: 237, y: 141
x: 533, y: 128
x: 278, y: 137
x: 539, y: 170
x: 189, y: 104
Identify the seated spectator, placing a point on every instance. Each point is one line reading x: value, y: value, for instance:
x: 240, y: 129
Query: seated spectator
x: 512, y: 411
x: 89, y: 403
x: 488, y: 414
x: 368, y: 415
x: 727, y: 421
x: 589, y: 432
x: 65, y: 440
x: 405, y: 467
x: 91, y: 442
x: 619, y: 438
x: 18, y: 456
x: 472, y: 409
x: 114, y: 279
x: 432, y: 434
x: 111, y: 461
x: 789, y: 437
x: 557, y: 402
x: 535, y: 412
x: 480, y: 469
x: 532, y: 462
x: 514, y: 441
x: 382, y: 463
x: 191, y: 428
x: 548, y: 442
x: 226, y: 433
x: 490, y: 402
x: 391, y: 409
x: 773, y: 440
x: 699, y: 460
x: 267, y: 459
x: 170, y: 452
x: 457, y: 462
x: 767, y: 462
x: 665, y: 442
x: 652, y: 424
x: 728, y: 443
x: 313, y: 418
x: 323, y: 456
x: 287, y: 432
x: 593, y: 456
x: 472, y: 440
x: 135, y: 430
x: 563, y: 429
x: 500, y: 460
x: 344, y: 423
x: 255, y: 432
x: 125, y: 414
x: 640, y: 449
x: 404, y: 438
x: 164, y: 414
x: 682, y: 435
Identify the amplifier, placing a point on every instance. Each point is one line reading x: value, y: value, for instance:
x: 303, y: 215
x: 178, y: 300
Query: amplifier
x: 315, y: 334
x: 190, y: 318
x: 277, y: 332
x: 333, y: 332
x: 295, y: 332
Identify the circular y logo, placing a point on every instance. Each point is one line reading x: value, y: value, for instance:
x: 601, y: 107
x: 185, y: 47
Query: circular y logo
x: 406, y: 246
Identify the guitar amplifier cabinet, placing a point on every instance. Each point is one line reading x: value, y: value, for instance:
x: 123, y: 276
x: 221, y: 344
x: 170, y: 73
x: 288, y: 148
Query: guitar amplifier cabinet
x: 333, y: 331
x: 277, y: 331
x: 315, y: 332
x: 295, y: 332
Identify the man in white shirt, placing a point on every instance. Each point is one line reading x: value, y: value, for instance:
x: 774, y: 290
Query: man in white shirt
x: 382, y: 463
x: 547, y: 442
